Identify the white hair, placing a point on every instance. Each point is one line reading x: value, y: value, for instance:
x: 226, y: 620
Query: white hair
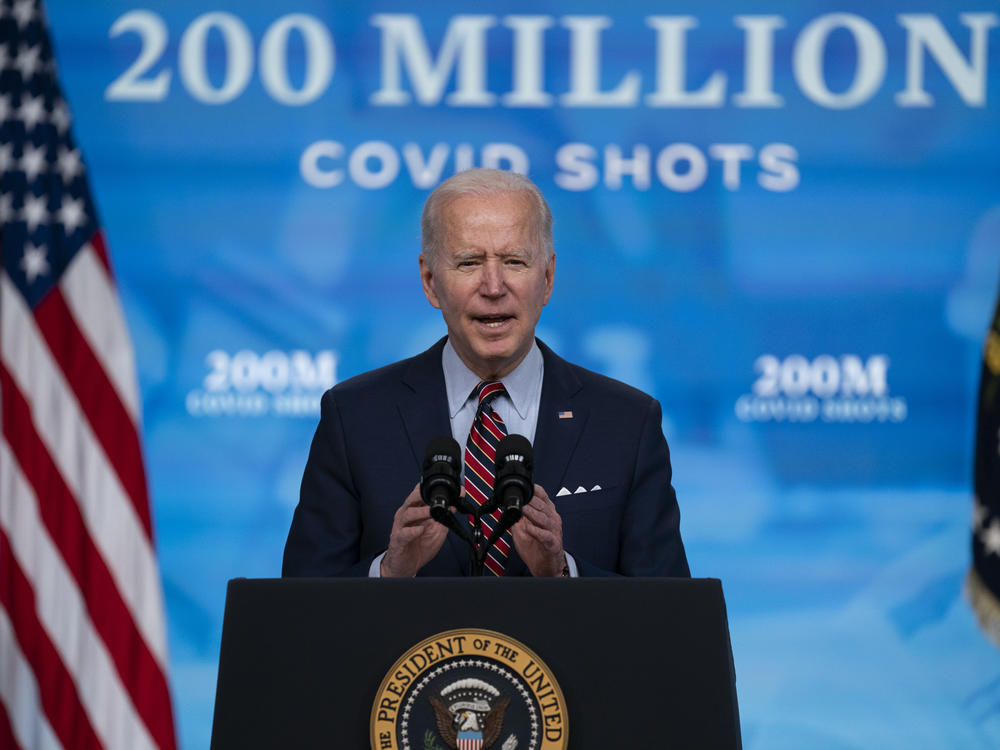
x: 484, y: 183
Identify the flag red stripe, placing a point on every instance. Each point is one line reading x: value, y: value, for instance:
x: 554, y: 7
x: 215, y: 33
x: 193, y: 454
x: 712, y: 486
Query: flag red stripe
x: 80, y: 595
x: 139, y: 672
x: 57, y: 693
x: 101, y: 251
x: 7, y: 738
x: 97, y: 398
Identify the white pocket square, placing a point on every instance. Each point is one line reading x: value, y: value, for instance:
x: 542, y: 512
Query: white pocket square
x: 578, y: 491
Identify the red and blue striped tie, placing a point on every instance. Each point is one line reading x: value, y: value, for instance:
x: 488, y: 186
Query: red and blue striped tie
x: 480, y: 467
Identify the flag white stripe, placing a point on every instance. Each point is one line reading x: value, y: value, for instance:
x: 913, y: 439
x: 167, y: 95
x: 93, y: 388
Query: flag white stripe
x: 93, y: 300
x: 63, y: 614
x: 107, y: 512
x: 19, y: 693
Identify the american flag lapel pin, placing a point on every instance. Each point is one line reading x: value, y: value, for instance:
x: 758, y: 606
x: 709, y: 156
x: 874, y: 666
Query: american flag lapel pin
x: 565, y: 415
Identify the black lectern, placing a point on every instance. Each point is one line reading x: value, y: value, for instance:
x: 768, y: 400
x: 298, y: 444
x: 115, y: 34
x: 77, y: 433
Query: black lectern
x: 642, y: 663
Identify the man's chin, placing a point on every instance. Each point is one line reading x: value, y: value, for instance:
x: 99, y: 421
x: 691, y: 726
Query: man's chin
x: 496, y: 361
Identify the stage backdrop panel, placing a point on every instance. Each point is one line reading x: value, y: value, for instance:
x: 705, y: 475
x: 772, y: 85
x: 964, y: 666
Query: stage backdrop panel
x: 783, y: 221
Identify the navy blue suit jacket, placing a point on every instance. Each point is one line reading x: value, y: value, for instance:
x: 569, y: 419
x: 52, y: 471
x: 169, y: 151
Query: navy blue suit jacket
x: 373, y: 431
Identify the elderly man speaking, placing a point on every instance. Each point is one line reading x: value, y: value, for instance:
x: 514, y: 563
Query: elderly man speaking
x: 603, y: 503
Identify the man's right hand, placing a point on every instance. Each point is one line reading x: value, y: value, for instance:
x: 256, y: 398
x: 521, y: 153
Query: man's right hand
x: 414, y: 540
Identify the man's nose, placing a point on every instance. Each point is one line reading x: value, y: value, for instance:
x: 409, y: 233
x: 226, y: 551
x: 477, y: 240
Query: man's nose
x: 492, y: 283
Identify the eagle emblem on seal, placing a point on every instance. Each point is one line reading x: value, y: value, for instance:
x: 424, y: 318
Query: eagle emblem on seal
x: 469, y: 714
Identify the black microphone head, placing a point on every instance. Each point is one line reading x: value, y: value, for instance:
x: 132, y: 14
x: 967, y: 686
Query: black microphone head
x: 443, y: 449
x: 515, y: 448
x: 439, y: 481
x: 512, y: 488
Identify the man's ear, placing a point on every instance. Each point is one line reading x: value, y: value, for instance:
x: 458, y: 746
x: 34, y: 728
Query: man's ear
x: 550, y: 277
x: 427, y: 280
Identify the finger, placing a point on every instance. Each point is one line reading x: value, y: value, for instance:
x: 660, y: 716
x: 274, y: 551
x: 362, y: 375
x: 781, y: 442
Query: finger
x: 532, y: 519
x: 544, y: 537
x: 415, y: 511
x: 525, y: 531
x: 540, y: 516
x: 534, y: 508
x: 408, y: 534
x: 547, y: 504
x: 411, y: 516
x: 414, y: 497
x: 520, y: 535
x: 541, y: 501
x: 541, y: 494
x: 412, y: 500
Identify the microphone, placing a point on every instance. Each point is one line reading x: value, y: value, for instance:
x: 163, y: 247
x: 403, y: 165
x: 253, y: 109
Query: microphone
x: 439, y: 485
x: 513, y: 488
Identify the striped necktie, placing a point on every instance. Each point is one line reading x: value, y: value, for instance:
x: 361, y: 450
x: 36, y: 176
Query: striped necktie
x: 480, y: 467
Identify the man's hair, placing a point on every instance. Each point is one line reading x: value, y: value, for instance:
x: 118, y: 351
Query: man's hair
x: 484, y: 183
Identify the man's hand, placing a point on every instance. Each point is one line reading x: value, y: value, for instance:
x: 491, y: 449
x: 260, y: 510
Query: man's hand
x: 414, y: 540
x: 538, y: 536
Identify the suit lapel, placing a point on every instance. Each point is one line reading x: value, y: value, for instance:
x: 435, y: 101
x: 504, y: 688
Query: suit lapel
x: 423, y: 405
x: 423, y: 408
x: 556, y: 437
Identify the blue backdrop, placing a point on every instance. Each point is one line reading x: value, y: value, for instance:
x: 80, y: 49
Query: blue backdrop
x: 783, y: 223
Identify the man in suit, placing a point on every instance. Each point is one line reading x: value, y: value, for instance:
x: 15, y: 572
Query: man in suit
x: 603, y: 503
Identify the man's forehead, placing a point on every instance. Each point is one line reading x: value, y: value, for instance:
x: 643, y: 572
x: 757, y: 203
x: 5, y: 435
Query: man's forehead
x: 487, y: 225
x: 517, y: 206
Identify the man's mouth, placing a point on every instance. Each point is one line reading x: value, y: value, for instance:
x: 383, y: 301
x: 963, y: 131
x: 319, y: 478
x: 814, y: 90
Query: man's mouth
x: 493, y: 321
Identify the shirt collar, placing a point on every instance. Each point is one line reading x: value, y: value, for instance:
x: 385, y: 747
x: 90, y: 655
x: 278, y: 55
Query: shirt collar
x: 460, y: 381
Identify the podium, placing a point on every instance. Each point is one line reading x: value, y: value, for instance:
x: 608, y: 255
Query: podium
x: 642, y: 663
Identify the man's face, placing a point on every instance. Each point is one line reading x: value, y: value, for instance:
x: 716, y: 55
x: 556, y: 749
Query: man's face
x: 490, y: 280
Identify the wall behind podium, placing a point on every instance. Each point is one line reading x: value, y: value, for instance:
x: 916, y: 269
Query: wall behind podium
x: 783, y: 221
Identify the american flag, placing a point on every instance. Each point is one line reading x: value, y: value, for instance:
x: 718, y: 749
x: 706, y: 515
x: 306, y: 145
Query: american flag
x: 983, y: 581
x: 83, y: 660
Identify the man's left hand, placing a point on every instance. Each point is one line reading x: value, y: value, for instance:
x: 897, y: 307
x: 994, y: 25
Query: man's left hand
x: 538, y: 536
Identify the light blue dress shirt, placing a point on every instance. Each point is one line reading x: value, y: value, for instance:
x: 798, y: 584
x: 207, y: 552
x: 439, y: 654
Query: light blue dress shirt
x: 518, y: 408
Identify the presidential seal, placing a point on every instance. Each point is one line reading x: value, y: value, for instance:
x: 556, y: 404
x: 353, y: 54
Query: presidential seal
x: 469, y: 689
